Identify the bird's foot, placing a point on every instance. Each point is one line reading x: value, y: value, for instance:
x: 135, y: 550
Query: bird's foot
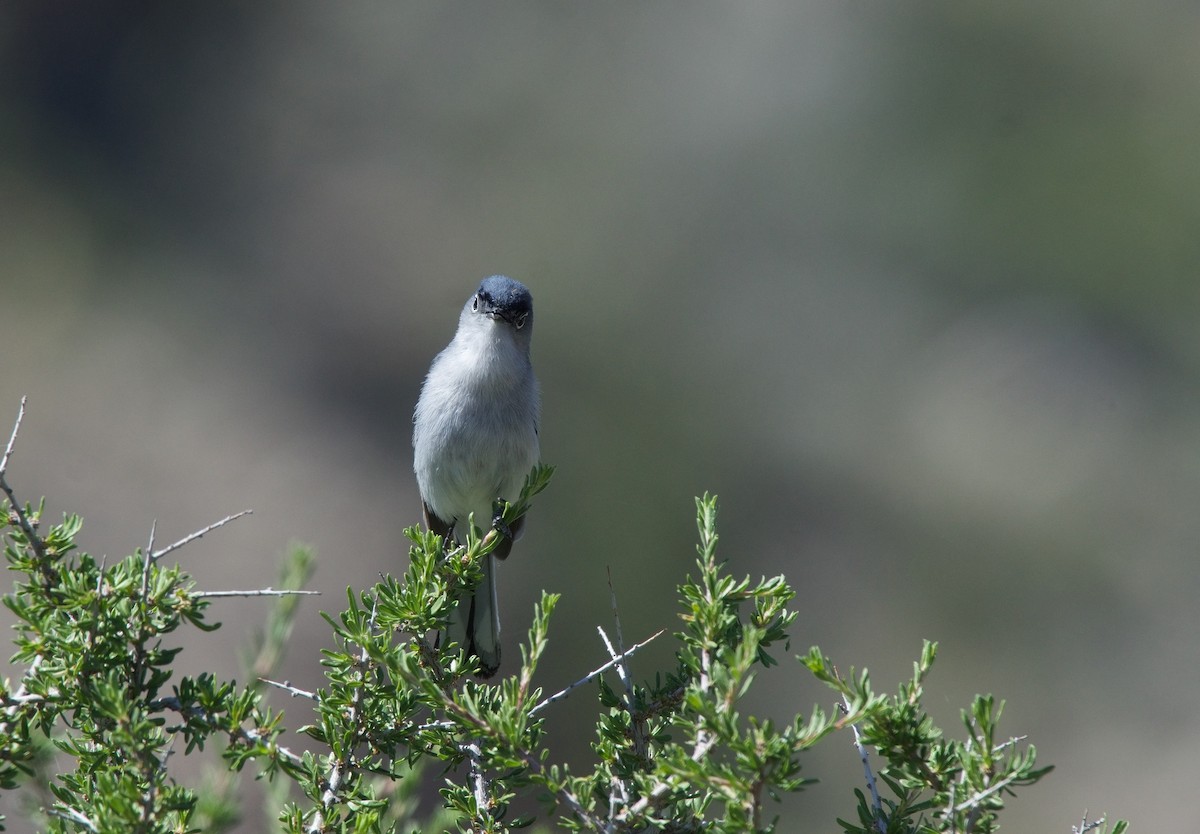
x: 501, y: 530
x: 498, y: 522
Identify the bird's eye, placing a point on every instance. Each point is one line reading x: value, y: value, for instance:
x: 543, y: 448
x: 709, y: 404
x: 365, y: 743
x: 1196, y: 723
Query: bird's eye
x: 520, y: 322
x: 475, y: 304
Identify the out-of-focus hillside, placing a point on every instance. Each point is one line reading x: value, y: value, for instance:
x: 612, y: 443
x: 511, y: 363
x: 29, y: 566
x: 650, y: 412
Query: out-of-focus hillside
x: 913, y: 287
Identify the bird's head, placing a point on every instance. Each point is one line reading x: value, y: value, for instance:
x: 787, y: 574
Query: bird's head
x: 504, y: 301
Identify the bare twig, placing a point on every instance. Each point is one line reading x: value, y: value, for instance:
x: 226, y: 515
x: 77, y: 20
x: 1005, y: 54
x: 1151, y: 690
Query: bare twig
x: 984, y: 794
x: 876, y: 802
x: 478, y: 780
x: 295, y: 692
x: 645, y: 803
x: 622, y: 672
x: 338, y: 768
x: 261, y: 592
x: 147, y: 560
x: 620, y: 790
x: 612, y: 599
x: 594, y: 823
x: 156, y: 555
x: 949, y: 812
x: 14, y: 702
x: 150, y: 775
x: 613, y: 654
x: 35, y: 541
x: 1085, y: 826
x: 1012, y: 742
x: 704, y: 738
x: 240, y: 733
x: 962, y: 780
x: 74, y: 816
x: 12, y: 438
x: 595, y: 673
x: 616, y: 819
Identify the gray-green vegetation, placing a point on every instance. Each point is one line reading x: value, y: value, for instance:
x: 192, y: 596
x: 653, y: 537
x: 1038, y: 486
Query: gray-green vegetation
x: 88, y: 730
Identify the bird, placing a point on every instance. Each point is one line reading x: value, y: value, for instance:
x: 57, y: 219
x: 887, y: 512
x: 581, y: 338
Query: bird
x: 475, y: 438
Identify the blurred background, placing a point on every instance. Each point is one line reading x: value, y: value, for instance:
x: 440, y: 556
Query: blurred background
x: 912, y: 287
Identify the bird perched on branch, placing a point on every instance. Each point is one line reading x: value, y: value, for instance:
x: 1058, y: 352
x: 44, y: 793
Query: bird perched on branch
x: 475, y: 438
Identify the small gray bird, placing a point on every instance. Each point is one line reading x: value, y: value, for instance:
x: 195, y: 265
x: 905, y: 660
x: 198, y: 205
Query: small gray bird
x: 475, y: 438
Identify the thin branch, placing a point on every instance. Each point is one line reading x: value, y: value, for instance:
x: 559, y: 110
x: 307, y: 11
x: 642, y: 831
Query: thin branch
x: 256, y: 737
x: 612, y: 599
x: 338, y: 768
x: 876, y: 802
x: 1012, y: 742
x: 191, y: 538
x: 622, y: 672
x: 961, y: 780
x: 637, y: 724
x: 617, y: 658
x: 12, y: 438
x: 621, y: 788
x: 984, y: 794
x: 643, y: 804
x: 949, y: 812
x: 18, y: 699
x: 148, y: 560
x: 571, y: 799
x: 291, y: 690
x: 478, y: 780
x: 973, y: 816
x: 238, y: 732
x: 74, y: 816
x: 35, y: 541
x: 595, y: 673
x: 261, y: 592
x: 14, y: 702
x: 536, y: 765
x: 150, y: 776
x: 616, y: 820
x: 704, y: 738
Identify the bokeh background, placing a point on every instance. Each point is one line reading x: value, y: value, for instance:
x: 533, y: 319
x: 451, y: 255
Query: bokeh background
x: 912, y: 286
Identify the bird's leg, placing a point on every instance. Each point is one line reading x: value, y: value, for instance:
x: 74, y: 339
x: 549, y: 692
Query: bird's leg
x: 498, y: 523
x: 501, y: 529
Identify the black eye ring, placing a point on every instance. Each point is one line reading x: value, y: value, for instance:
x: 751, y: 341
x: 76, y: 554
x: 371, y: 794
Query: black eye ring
x: 475, y: 304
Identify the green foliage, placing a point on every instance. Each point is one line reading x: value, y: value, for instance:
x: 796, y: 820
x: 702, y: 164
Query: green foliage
x: 936, y: 784
x: 676, y: 753
x: 93, y: 637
